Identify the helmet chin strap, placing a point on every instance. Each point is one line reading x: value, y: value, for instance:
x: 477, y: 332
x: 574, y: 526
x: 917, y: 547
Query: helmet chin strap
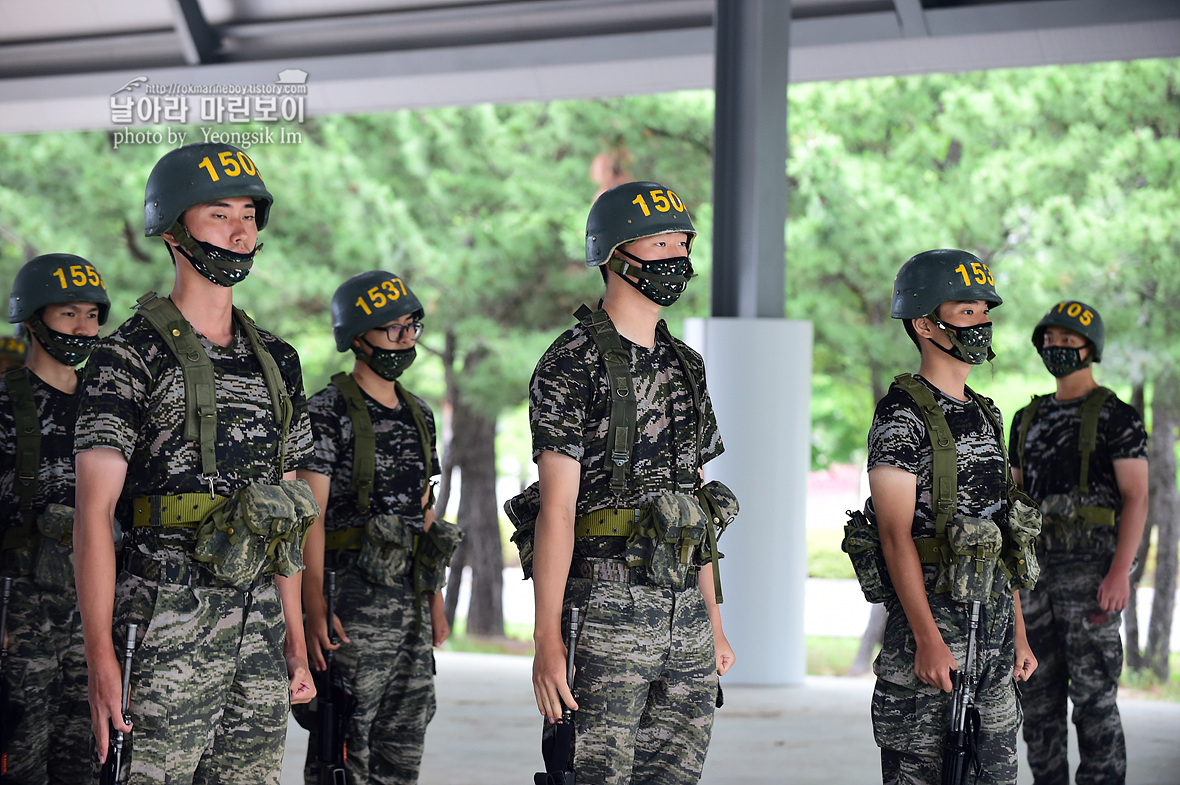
x: 219, y: 265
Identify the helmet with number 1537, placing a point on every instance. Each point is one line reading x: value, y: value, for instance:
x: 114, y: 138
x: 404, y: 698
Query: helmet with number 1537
x: 196, y: 174
x: 369, y: 300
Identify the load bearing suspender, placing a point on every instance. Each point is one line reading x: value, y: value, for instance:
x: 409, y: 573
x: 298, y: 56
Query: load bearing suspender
x: 364, y: 455
x: 28, y: 454
x: 200, y: 390
x: 1087, y: 432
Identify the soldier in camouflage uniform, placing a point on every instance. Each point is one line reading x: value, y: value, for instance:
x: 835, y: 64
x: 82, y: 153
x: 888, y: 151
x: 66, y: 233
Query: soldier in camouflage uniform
x: 944, y: 297
x: 1085, y: 551
x: 217, y: 663
x: 648, y: 656
x: 386, y: 661
x: 61, y: 300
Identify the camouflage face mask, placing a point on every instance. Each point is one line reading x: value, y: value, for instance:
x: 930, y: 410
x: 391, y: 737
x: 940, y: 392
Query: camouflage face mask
x: 972, y: 345
x: 221, y: 266
x: 661, y: 280
x: 1063, y: 360
x: 66, y: 349
x: 387, y: 363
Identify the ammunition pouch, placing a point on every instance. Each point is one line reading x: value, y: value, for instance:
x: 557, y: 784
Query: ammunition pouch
x: 385, y: 552
x: 862, y: 543
x: 975, y: 546
x: 432, y: 554
x: 53, y: 568
x: 1068, y: 526
x: 665, y: 539
x: 1020, y: 557
x: 260, y: 529
x: 522, y: 510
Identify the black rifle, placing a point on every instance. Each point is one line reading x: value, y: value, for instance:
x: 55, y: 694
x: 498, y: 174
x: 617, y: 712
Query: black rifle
x: 558, y: 739
x: 113, y: 765
x: 334, y: 704
x: 961, y: 750
x: 10, y: 713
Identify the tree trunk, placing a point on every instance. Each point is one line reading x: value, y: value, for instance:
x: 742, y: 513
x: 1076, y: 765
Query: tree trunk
x: 473, y: 443
x: 1131, y: 614
x: 1164, y: 511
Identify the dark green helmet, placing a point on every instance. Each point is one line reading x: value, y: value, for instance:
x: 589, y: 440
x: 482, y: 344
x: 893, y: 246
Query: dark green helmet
x: 13, y: 348
x: 1077, y: 316
x: 196, y: 174
x: 369, y: 300
x: 630, y: 211
x: 56, y: 278
x: 932, y: 278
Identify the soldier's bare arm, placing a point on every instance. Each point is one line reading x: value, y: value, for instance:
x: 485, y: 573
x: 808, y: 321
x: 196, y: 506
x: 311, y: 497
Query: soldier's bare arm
x: 440, y: 628
x: 894, y: 492
x: 1131, y: 475
x: 100, y: 474
x: 721, y: 647
x: 314, y: 606
x: 294, y: 644
x: 553, y: 548
x: 1026, y: 661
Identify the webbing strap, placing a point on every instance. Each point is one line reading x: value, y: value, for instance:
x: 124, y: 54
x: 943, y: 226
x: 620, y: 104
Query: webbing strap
x: 364, y: 453
x: 621, y: 425
x: 1087, y: 431
x: 350, y: 539
x: 607, y: 522
x: 1088, y: 435
x: 184, y: 510
x: 28, y: 446
x: 200, y: 389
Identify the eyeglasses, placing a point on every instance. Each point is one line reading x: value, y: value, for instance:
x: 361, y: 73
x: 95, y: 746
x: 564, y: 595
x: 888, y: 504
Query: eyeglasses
x: 395, y: 332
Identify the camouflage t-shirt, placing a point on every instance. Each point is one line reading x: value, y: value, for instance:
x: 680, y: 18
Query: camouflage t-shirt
x: 898, y: 437
x: 569, y: 410
x: 57, y: 412
x: 400, y: 473
x: 133, y: 400
x: 1052, y: 458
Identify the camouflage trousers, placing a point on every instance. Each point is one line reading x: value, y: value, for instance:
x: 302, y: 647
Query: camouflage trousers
x: 911, y: 719
x: 389, y: 667
x: 645, y: 681
x: 47, y: 670
x: 1080, y: 656
x: 209, y: 685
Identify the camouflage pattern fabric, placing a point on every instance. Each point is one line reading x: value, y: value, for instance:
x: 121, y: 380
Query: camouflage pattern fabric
x: 209, y: 686
x: 47, y: 671
x: 400, y: 470
x: 46, y: 662
x: 1080, y: 656
x: 646, y: 677
x: 1053, y: 461
x: 645, y: 681
x: 209, y: 691
x: 910, y: 718
x: 1078, y: 647
x: 389, y: 667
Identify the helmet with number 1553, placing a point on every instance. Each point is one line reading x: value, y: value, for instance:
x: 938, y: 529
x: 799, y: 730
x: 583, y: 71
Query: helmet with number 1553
x: 932, y: 278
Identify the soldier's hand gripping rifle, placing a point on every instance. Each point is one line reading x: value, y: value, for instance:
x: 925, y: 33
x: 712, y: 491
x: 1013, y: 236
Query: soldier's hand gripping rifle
x: 960, y: 751
x: 558, y: 740
x: 331, y: 712
x: 114, y: 763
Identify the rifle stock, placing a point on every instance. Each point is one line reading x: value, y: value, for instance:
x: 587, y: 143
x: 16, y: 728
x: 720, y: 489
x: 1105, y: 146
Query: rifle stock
x: 332, y: 752
x: 112, y: 767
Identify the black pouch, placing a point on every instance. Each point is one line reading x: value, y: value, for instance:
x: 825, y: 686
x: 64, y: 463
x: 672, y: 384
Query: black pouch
x: 386, y: 551
x: 862, y: 543
x: 665, y: 538
x: 54, y: 566
x: 522, y: 510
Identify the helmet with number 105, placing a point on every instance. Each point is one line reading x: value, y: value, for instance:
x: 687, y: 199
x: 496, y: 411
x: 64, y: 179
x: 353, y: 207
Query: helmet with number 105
x: 53, y: 279
x: 196, y: 174
x: 932, y: 278
x: 630, y: 211
x: 1076, y: 316
x: 369, y: 300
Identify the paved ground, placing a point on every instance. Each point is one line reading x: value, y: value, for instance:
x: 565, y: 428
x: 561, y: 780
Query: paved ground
x: 486, y: 732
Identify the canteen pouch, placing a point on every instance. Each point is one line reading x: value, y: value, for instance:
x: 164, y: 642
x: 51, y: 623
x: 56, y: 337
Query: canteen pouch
x: 288, y: 537
x: 234, y: 539
x: 665, y: 539
x: 1024, y: 524
x: 975, y: 547
x: 432, y: 554
x: 523, y: 509
x: 862, y: 543
x: 386, y: 550
x: 54, y: 565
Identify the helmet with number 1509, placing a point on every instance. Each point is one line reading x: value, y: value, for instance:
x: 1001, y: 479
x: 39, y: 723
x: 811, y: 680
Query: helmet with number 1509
x: 196, y: 174
x: 630, y: 211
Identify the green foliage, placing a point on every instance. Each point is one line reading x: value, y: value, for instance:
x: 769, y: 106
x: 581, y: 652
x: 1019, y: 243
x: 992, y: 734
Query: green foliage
x: 824, y: 557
